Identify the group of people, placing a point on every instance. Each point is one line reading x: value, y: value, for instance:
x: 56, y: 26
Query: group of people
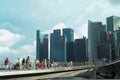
x: 27, y: 64
x: 42, y: 64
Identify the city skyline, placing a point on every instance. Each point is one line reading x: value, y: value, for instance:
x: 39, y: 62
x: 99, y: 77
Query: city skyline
x: 20, y: 19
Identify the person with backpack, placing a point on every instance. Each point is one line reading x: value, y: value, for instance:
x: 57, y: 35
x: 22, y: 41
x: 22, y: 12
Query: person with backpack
x: 28, y: 63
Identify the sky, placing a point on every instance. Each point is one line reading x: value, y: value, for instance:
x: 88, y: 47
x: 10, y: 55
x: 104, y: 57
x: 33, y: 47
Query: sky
x: 19, y: 20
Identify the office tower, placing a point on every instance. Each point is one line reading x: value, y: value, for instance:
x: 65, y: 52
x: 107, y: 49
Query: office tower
x: 57, y: 46
x: 69, y: 34
x: 112, y: 41
x: 104, y: 47
x: 93, y: 39
x: 113, y: 23
x: 113, y: 26
x: 38, y: 44
x: 103, y: 51
x: 61, y: 49
x: 70, y: 51
x: 118, y: 39
x: 103, y: 30
x: 80, y: 50
x: 43, y: 47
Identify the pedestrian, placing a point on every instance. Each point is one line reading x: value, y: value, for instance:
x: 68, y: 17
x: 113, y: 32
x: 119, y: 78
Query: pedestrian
x: 37, y: 64
x: 23, y: 64
x: 7, y: 64
x: 18, y: 64
x: 28, y: 62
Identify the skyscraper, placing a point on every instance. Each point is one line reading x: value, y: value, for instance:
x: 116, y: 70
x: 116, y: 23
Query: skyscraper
x: 44, y: 47
x: 93, y: 39
x: 69, y: 34
x: 103, y: 33
x: 118, y: 39
x: 57, y: 46
x: 103, y: 51
x: 38, y: 44
x: 41, y: 45
x: 113, y: 25
x: 80, y: 50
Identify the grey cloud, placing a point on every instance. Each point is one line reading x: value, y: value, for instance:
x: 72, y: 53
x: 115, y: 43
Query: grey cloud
x: 114, y: 2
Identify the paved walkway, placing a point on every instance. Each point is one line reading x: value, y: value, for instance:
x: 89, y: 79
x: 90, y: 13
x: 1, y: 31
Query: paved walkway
x: 54, y: 75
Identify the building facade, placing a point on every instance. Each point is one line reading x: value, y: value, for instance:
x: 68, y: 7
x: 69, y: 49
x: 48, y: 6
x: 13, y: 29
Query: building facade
x: 80, y: 50
x: 41, y: 45
x: 44, y: 47
x: 38, y: 44
x: 69, y: 34
x: 113, y: 25
x: 57, y: 46
x: 93, y: 39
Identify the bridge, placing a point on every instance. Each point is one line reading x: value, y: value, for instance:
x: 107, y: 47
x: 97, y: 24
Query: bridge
x: 102, y: 70
x: 109, y: 70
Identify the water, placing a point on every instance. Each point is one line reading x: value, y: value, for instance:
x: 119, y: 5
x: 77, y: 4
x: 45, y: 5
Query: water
x: 71, y: 78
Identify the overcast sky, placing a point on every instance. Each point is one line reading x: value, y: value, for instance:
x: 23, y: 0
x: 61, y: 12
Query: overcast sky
x: 19, y: 20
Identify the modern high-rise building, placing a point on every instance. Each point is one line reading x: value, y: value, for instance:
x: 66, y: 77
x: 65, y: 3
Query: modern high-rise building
x: 118, y: 39
x: 60, y: 48
x: 44, y: 47
x: 94, y: 29
x: 57, y: 46
x: 103, y: 33
x: 41, y: 45
x: 38, y: 44
x: 80, y: 50
x: 69, y: 34
x: 113, y: 25
x: 103, y: 51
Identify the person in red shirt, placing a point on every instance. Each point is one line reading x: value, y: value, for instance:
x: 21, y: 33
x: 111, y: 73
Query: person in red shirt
x: 7, y: 63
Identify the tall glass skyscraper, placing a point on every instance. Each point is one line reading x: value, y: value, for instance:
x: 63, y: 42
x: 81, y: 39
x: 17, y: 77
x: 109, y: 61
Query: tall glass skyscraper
x: 38, y: 44
x: 57, y: 46
x: 80, y: 50
x: 41, y: 45
x: 93, y: 39
x: 69, y: 34
x: 113, y: 25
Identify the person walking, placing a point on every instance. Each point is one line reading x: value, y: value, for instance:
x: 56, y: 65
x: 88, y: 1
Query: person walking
x: 7, y: 64
x: 18, y: 64
x: 28, y: 64
x: 23, y: 64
